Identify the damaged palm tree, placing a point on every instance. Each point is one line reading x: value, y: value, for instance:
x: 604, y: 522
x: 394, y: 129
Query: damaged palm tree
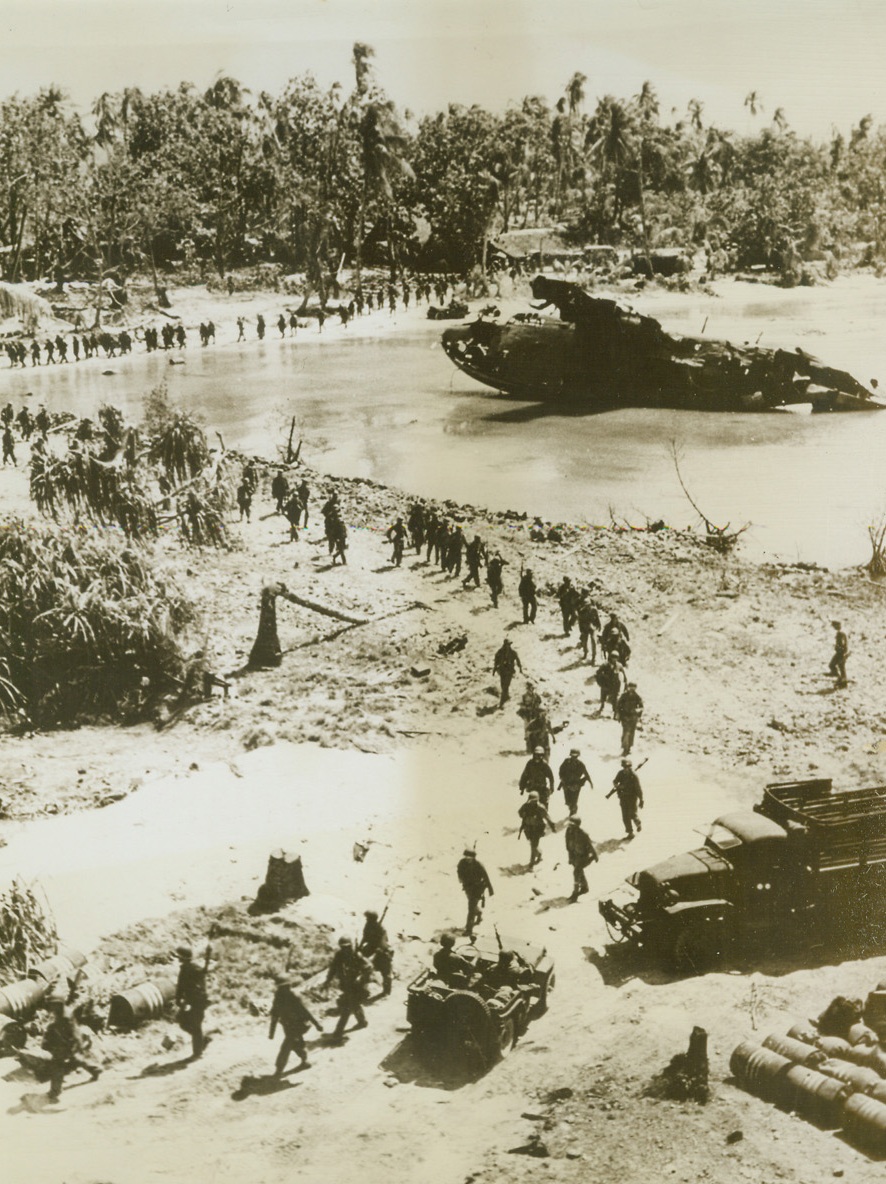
x: 721, y: 538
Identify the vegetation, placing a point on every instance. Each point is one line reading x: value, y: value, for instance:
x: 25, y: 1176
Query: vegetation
x: 138, y: 479
x: 27, y: 930
x: 90, y: 626
x: 311, y: 179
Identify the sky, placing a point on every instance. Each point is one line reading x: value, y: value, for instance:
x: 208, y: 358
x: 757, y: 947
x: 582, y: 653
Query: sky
x: 821, y: 61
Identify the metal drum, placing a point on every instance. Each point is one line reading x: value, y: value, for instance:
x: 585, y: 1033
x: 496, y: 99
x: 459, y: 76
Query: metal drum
x: 803, y: 1031
x: 20, y: 1000
x: 798, y: 1051
x: 859, y: 1079
x: 816, y: 1097
x: 834, y: 1046
x: 144, y: 1002
x: 12, y: 1034
x: 861, y: 1034
x: 759, y: 1070
x: 864, y: 1123
x: 875, y: 1011
x: 63, y: 965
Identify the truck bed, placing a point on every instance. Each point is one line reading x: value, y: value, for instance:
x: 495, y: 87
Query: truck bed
x: 843, y: 830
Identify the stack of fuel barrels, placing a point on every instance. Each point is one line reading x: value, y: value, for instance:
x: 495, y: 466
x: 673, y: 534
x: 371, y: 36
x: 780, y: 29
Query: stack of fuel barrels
x: 830, y: 1071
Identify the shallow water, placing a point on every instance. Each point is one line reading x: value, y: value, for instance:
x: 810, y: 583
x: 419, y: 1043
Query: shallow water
x: 395, y: 410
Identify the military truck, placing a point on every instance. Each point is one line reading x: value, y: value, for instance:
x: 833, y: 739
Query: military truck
x: 807, y: 865
x: 468, y: 1020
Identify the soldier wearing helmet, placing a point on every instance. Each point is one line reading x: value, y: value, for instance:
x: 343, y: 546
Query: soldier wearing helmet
x: 452, y: 968
x: 533, y: 820
x: 375, y: 946
x: 475, y: 882
x: 580, y: 851
x: 537, y: 776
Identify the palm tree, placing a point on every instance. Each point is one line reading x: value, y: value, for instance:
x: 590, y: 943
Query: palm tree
x: 575, y: 92
x: 695, y: 108
x: 361, y: 56
x: 752, y: 102
x: 780, y: 120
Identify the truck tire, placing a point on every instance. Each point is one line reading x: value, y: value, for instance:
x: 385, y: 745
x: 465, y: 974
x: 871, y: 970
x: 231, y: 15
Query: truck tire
x: 507, y: 1036
x: 696, y: 950
x: 470, y: 1030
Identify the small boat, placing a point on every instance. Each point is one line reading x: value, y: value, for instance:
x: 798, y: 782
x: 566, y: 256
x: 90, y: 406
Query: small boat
x: 604, y: 356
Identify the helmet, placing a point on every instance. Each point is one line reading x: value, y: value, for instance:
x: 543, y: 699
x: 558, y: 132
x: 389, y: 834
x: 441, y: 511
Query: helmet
x: 627, y: 764
x: 183, y: 951
x: 574, y: 818
x: 344, y: 941
x: 371, y: 915
x: 538, y: 750
x: 532, y: 797
x: 470, y: 851
x: 632, y: 684
x: 574, y: 752
x: 447, y: 941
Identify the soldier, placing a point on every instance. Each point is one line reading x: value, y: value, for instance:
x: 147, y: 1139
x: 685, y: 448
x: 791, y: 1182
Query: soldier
x: 609, y: 679
x: 338, y: 539
x: 375, y: 947
x: 455, y: 550
x: 566, y: 597
x: 612, y: 630
x: 432, y: 525
x: 293, y: 324
x: 292, y: 509
x: 588, y: 625
x: 281, y: 324
x: 529, y: 597
x: 241, y: 329
x: 416, y: 525
x: 351, y: 970
x: 475, y: 554
x: 396, y: 535
x: 573, y: 775
x: 449, y: 966
x: 537, y: 776
x: 533, y: 819
x: 580, y: 851
x: 630, y: 711
x: 8, y: 446
x: 67, y: 1046
x: 35, y: 353
x: 244, y: 500
x: 630, y: 797
x: 494, y: 577
x: 289, y: 1011
x: 260, y: 327
x: 837, y: 667
x: 475, y: 883
x: 279, y: 490
x: 304, y: 492
x: 191, y: 998
x: 504, y: 665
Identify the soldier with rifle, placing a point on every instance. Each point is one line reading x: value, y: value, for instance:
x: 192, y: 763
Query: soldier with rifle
x: 451, y: 968
x: 67, y: 1046
x: 374, y: 946
x: 289, y: 1011
x: 475, y: 882
x: 837, y: 667
x: 630, y: 795
x: 396, y: 535
x: 351, y: 970
x: 609, y: 678
x: 191, y: 998
x: 533, y: 820
x: 475, y: 555
x: 588, y: 624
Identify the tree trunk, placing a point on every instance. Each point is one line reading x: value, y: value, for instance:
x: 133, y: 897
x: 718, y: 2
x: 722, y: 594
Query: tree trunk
x: 266, y: 649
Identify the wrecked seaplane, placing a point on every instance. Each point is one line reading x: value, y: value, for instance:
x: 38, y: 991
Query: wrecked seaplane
x: 606, y: 356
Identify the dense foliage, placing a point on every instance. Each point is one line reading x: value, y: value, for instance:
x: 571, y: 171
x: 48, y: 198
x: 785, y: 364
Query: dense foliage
x: 310, y: 179
x: 90, y: 626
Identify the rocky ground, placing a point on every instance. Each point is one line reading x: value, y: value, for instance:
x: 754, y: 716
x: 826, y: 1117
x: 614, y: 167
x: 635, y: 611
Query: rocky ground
x: 371, y: 734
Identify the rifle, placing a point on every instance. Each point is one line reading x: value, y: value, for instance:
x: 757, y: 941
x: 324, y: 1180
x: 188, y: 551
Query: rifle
x: 498, y: 938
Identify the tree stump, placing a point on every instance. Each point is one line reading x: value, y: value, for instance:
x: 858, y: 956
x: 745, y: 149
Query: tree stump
x: 266, y: 649
x: 284, y: 882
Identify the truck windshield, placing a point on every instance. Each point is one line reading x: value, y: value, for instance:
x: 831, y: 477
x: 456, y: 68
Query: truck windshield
x: 721, y: 839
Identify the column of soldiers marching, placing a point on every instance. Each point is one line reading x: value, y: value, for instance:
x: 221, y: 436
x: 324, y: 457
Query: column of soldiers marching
x: 355, y: 964
x: 77, y: 345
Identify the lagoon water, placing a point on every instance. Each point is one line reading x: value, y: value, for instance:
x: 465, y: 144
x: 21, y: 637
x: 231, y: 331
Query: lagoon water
x: 392, y: 408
